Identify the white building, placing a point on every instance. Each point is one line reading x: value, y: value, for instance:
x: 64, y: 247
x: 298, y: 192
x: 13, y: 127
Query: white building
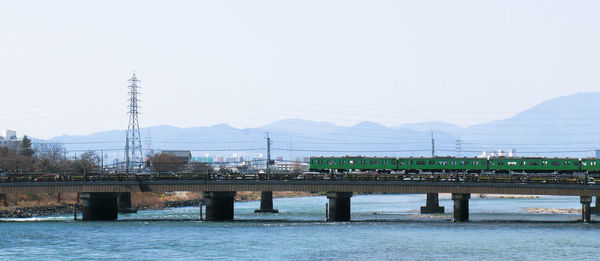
x: 9, y: 139
x: 291, y: 166
x: 10, y: 134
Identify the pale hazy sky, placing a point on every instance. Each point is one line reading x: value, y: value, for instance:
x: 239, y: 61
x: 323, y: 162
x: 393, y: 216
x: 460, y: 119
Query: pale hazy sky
x: 64, y: 65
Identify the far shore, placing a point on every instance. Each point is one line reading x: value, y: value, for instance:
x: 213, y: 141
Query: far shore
x: 24, y: 205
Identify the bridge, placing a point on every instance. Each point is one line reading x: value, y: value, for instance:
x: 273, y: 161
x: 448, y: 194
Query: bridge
x: 101, y: 198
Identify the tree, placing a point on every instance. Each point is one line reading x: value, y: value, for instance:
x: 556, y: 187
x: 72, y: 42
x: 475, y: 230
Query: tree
x: 87, y: 162
x: 53, y: 152
x: 163, y: 162
x: 50, y: 157
x: 12, y: 161
x: 26, y: 149
x: 200, y: 168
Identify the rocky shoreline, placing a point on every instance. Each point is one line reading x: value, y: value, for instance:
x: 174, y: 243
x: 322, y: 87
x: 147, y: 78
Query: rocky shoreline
x: 67, y: 208
x: 38, y: 211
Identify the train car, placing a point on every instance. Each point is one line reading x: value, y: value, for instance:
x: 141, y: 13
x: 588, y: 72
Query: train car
x: 452, y: 164
x: 441, y: 164
x: 325, y: 164
x: 534, y: 165
x: 350, y: 163
x: 591, y: 165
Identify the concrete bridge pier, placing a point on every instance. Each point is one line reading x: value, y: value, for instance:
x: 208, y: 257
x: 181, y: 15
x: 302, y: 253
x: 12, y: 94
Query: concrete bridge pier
x: 219, y: 205
x: 461, y: 207
x: 266, y: 203
x: 3, y: 200
x: 585, y: 208
x: 99, y: 205
x: 124, y: 203
x: 596, y: 208
x: 339, y: 206
x: 433, y: 205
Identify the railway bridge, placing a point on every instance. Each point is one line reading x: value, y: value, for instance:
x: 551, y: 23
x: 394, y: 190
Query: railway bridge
x: 101, y: 198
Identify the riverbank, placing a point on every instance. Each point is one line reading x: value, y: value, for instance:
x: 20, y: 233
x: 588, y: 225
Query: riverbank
x: 25, y: 205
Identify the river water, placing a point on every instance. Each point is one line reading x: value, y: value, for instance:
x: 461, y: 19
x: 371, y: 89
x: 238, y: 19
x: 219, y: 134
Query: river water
x: 384, y: 227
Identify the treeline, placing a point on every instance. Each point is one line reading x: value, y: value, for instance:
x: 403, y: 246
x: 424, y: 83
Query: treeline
x: 23, y: 156
x: 43, y: 157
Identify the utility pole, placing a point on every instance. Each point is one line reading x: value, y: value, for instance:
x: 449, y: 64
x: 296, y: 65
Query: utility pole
x: 102, y: 160
x: 133, y: 142
x: 432, y: 145
x: 268, y: 156
x: 458, y: 146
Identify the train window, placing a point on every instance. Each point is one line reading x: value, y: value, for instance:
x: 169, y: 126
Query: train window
x: 464, y: 163
x: 545, y: 163
x: 363, y: 162
x: 584, y: 163
x: 431, y: 162
x: 492, y: 163
x: 567, y: 163
x: 331, y: 162
x: 351, y: 162
x: 555, y: 163
x: 400, y: 162
x: 593, y: 163
x: 511, y: 163
x: 453, y: 163
x: 576, y: 163
x: 394, y: 162
x: 420, y: 162
x: 385, y: 162
x: 475, y: 162
x: 533, y: 163
x: 500, y: 163
x: 320, y: 161
x: 523, y: 163
x: 373, y: 162
x: 442, y: 162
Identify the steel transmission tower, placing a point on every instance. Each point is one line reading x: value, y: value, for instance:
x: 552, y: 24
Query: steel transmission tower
x: 133, y: 141
x: 268, y: 156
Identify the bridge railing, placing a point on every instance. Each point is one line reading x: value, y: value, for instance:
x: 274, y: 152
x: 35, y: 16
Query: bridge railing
x: 542, y: 178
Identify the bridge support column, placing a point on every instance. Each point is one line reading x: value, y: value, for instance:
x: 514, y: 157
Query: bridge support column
x: 585, y: 208
x: 461, y: 207
x: 433, y: 205
x: 266, y: 203
x: 125, y: 203
x: 219, y: 205
x: 3, y: 200
x: 99, y: 205
x: 596, y: 208
x: 339, y: 206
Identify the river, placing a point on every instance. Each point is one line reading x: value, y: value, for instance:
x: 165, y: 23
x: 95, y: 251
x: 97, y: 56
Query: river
x: 384, y: 227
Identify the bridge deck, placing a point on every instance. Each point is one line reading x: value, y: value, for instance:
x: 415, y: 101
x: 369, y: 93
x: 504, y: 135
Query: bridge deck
x: 300, y: 185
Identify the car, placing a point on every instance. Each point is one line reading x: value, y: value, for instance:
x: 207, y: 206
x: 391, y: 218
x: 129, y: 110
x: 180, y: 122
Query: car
x: 47, y: 177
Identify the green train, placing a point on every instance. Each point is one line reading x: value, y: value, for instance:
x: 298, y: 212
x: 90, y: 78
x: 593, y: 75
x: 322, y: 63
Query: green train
x: 453, y: 164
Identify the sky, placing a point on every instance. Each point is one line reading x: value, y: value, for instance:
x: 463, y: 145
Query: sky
x: 64, y: 65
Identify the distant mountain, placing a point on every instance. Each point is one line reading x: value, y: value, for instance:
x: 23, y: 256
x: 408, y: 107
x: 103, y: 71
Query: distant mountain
x: 564, y: 126
x: 301, y: 126
x: 570, y: 123
x: 428, y: 126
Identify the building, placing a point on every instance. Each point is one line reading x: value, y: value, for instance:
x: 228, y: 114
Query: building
x: 284, y: 166
x: 204, y: 159
x: 9, y: 139
x: 10, y: 134
x: 185, y: 155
